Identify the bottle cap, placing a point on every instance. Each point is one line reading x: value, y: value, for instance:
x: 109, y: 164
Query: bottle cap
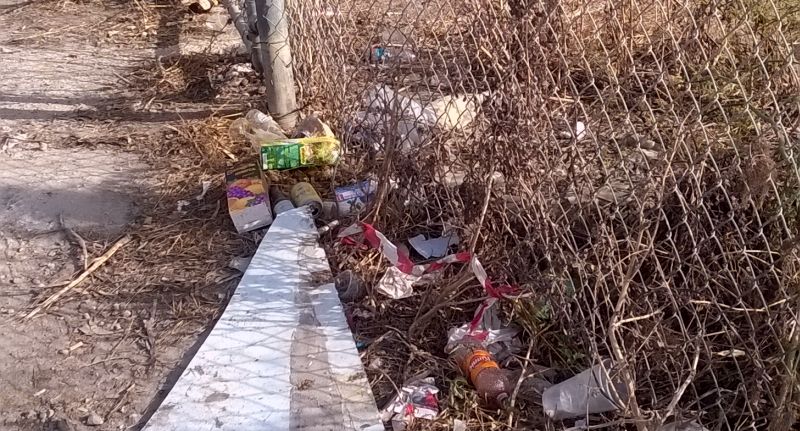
x: 503, y: 400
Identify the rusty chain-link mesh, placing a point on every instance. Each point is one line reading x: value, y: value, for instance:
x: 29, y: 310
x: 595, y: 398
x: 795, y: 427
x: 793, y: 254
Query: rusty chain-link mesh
x: 632, y: 165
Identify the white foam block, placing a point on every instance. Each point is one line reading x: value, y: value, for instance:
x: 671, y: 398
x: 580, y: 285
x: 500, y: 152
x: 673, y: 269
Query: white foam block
x: 281, y: 356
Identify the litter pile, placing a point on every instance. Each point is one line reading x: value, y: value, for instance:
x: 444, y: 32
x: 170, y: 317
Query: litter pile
x: 485, y: 349
x: 646, y: 224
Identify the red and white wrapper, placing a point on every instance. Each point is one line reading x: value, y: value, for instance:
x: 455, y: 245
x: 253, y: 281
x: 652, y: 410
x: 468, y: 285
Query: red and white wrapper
x: 399, y: 287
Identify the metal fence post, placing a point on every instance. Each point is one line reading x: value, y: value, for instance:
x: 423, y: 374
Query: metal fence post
x: 239, y: 21
x: 276, y: 59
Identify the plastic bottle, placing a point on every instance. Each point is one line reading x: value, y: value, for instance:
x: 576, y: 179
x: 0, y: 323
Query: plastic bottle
x: 304, y: 194
x: 482, y: 371
x: 262, y: 121
x: 282, y: 202
x: 394, y: 47
x: 255, y: 128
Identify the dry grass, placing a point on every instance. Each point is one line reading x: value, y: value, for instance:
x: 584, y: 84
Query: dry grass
x: 686, y: 274
x: 663, y: 235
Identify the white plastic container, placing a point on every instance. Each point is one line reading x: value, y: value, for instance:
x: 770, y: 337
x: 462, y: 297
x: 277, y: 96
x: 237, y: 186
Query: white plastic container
x: 595, y: 390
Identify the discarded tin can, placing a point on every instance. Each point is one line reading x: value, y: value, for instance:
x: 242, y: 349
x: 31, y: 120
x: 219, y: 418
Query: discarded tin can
x: 304, y: 194
x: 349, y: 286
x: 282, y: 201
x: 330, y: 210
x: 354, y: 197
x: 202, y: 6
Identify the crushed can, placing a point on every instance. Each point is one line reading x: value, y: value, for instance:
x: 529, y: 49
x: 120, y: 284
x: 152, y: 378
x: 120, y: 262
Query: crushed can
x: 303, y: 194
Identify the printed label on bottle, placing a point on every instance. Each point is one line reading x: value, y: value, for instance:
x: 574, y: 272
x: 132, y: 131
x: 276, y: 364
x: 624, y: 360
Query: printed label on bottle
x: 282, y: 156
x: 476, y: 362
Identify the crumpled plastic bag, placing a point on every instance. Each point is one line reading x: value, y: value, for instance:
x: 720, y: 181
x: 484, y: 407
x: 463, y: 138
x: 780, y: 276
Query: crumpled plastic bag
x: 398, y: 285
x: 417, y: 400
x: 385, y: 113
x: 490, y: 331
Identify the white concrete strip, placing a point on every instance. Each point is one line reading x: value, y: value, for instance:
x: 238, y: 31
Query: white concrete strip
x: 281, y: 357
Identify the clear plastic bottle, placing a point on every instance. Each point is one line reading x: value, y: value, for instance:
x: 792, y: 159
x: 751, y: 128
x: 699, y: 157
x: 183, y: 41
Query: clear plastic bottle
x: 482, y: 371
x: 281, y: 201
x: 264, y: 122
x: 256, y: 128
x: 394, y: 47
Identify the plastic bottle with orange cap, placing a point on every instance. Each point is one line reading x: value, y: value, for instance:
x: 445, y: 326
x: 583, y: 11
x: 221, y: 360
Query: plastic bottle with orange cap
x: 482, y: 371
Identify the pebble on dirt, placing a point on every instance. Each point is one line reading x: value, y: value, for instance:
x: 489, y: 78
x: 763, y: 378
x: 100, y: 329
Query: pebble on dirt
x: 94, y: 420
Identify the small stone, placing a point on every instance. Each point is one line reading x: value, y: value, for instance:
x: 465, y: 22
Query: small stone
x: 123, y: 409
x: 31, y: 414
x: 10, y: 311
x: 64, y: 352
x: 42, y: 416
x: 116, y: 306
x: 134, y: 418
x: 87, y: 316
x: 101, y: 323
x: 62, y: 425
x: 126, y: 313
x: 94, y: 420
x: 51, y: 413
x: 116, y: 326
x: 43, y: 146
x: 14, y: 280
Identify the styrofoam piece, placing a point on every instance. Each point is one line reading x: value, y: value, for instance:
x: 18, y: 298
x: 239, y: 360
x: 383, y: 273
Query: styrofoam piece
x: 281, y: 356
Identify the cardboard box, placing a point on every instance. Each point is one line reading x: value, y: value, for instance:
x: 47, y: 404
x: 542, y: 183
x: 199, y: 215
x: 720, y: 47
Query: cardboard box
x: 248, y: 199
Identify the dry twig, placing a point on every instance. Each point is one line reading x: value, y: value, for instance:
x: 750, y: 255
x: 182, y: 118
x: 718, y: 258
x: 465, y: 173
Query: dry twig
x: 78, y: 239
x: 96, y: 264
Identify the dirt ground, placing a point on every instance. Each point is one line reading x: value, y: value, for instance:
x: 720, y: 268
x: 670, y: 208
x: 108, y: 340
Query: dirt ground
x: 95, y: 131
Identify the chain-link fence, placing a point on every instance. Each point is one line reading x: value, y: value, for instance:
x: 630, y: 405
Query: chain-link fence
x: 633, y: 165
